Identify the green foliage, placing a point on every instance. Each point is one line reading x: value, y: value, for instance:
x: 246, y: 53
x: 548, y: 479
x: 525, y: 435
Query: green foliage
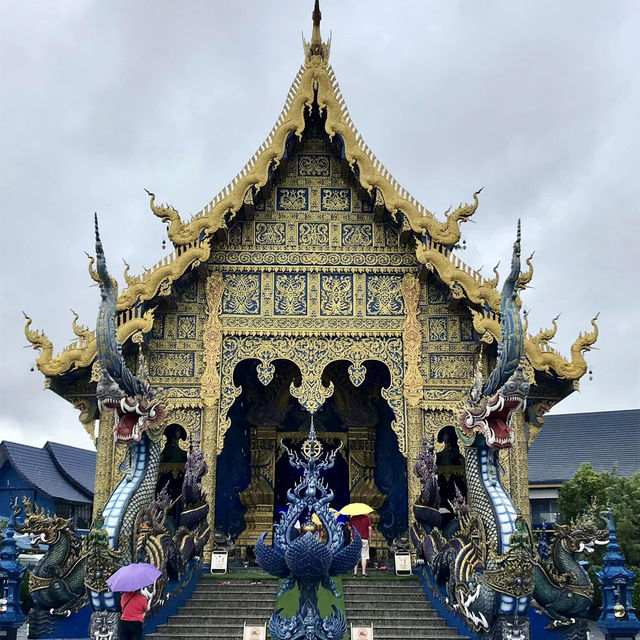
x: 26, y: 602
x: 606, y: 490
x: 3, y: 524
x: 624, y: 500
x: 576, y: 495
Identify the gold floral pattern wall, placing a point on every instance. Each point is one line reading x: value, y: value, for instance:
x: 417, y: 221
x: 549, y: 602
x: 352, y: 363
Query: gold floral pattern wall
x: 312, y: 270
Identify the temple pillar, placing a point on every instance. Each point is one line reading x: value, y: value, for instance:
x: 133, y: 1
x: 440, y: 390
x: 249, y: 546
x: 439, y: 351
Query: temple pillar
x: 104, y: 461
x: 412, y: 337
x: 208, y: 444
x: 519, y: 473
x: 210, y: 386
x: 414, y: 444
x: 362, y: 484
x: 258, y: 497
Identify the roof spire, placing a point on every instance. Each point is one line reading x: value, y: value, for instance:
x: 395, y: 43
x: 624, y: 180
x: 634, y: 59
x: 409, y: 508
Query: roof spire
x: 316, y: 38
x: 316, y: 50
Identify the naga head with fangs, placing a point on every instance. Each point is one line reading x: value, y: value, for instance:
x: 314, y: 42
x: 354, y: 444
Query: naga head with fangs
x: 139, y: 411
x: 492, y: 403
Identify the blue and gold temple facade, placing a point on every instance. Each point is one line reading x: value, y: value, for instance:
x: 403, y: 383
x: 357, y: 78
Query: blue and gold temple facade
x: 312, y: 284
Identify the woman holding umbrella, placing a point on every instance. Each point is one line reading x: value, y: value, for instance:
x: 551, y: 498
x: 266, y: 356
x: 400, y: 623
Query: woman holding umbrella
x: 131, y: 579
x: 134, y: 606
x: 360, y: 521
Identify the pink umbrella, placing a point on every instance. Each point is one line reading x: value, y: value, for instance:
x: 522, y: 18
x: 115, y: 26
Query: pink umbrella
x: 134, y: 576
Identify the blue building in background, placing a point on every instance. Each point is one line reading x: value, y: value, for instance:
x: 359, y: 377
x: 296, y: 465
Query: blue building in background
x: 56, y: 477
x: 601, y: 438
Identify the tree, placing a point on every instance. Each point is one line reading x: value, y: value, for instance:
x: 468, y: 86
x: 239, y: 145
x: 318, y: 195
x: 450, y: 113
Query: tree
x: 607, y: 490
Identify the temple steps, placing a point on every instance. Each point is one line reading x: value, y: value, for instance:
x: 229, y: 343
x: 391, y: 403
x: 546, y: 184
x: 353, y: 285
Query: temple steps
x: 398, y: 609
x: 219, y: 608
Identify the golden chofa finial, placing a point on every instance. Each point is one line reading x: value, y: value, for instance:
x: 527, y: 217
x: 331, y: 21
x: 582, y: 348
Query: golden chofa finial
x: 316, y: 51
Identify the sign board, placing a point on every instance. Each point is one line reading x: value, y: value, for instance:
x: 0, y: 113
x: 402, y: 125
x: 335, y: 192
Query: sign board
x: 362, y: 633
x: 219, y: 561
x: 254, y: 632
x: 403, y: 563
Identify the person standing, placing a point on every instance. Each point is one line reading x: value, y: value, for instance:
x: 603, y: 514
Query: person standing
x: 134, y: 606
x: 362, y: 524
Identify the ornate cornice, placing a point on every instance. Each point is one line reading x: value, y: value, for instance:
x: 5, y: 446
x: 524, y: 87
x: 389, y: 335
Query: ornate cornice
x: 537, y: 349
x: 461, y: 279
x: 162, y: 275
x: 544, y: 358
x: 82, y: 352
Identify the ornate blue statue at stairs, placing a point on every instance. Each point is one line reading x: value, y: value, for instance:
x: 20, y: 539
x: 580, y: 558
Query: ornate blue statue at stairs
x: 304, y: 560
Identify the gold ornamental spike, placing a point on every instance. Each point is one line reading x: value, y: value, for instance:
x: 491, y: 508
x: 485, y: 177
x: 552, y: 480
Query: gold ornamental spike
x: 316, y: 50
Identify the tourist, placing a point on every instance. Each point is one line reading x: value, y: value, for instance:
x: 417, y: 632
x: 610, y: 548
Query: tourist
x: 362, y: 524
x: 134, y: 606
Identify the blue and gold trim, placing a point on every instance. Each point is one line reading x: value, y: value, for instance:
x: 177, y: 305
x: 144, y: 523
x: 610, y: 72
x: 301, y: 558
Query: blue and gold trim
x: 241, y: 294
x: 290, y: 294
x: 292, y: 199
x: 336, y: 294
x: 332, y: 199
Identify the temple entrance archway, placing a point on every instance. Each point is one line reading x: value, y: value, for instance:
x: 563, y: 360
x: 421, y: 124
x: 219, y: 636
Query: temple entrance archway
x: 253, y: 473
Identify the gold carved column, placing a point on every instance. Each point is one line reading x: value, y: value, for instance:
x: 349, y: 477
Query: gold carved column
x: 362, y: 484
x: 104, y: 461
x: 519, y: 473
x: 413, y: 384
x: 414, y: 444
x: 258, y: 497
x: 210, y: 385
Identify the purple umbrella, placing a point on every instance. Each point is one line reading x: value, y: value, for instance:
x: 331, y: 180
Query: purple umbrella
x: 134, y: 576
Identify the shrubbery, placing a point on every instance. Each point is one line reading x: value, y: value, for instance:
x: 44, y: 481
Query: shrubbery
x: 607, y: 490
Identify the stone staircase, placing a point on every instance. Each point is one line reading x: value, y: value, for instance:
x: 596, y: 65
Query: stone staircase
x: 219, y: 608
x: 398, y: 609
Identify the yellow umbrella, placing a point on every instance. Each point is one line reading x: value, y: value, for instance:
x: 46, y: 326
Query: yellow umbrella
x: 316, y: 520
x: 356, y: 509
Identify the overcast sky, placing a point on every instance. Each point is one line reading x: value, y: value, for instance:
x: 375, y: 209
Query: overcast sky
x: 536, y: 101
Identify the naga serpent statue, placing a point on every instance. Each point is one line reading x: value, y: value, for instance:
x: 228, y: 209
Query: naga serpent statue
x: 171, y: 551
x: 303, y: 559
x: 56, y: 583
x: 484, y: 557
x: 140, y: 418
x: 563, y: 588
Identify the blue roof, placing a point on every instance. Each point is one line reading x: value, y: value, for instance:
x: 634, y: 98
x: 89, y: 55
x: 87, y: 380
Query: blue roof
x: 37, y: 466
x: 78, y: 465
x: 601, y: 438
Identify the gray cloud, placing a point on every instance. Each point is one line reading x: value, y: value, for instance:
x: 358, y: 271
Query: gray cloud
x: 537, y: 102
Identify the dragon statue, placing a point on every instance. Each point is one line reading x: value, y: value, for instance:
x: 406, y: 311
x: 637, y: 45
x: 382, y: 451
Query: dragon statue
x: 484, y: 556
x: 563, y: 588
x: 56, y: 583
x: 304, y: 560
x: 159, y: 542
x: 140, y: 418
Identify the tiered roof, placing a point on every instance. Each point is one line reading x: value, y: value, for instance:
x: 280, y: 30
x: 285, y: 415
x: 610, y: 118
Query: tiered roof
x: 56, y: 470
x: 314, y: 84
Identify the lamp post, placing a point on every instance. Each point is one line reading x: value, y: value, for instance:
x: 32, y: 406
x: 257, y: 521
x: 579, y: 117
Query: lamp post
x: 618, y: 617
x: 11, y: 574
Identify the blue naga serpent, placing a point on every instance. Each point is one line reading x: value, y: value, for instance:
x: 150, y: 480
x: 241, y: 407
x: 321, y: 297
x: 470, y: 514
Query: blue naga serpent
x: 484, y: 557
x: 139, y: 421
x: 304, y: 560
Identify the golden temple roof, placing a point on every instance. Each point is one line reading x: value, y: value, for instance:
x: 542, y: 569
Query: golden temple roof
x: 314, y: 83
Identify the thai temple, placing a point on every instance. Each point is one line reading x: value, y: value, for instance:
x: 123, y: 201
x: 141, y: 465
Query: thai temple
x: 314, y: 289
